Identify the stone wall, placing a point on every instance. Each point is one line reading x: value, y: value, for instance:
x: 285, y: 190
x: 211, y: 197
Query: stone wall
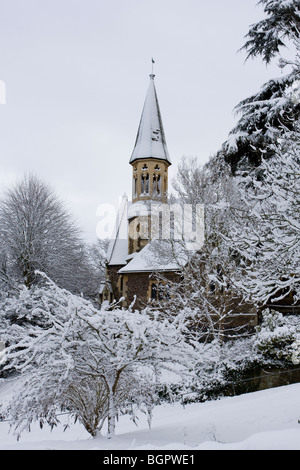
x: 139, y: 285
x: 112, y: 272
x: 263, y: 379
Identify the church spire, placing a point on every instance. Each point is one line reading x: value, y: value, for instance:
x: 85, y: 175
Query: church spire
x: 150, y: 141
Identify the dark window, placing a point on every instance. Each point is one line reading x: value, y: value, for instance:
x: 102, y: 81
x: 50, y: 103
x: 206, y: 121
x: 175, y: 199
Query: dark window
x: 158, y: 184
x: 145, y: 184
x: 154, y: 292
x: 161, y: 291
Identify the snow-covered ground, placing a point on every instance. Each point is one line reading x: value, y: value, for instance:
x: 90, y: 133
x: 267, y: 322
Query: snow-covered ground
x: 266, y: 420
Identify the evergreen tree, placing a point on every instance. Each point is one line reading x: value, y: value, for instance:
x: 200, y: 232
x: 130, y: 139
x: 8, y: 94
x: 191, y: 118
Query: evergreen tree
x: 269, y: 35
x: 273, y: 106
x: 267, y: 232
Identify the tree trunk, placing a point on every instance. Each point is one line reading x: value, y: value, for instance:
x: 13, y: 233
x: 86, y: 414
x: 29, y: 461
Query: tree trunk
x: 111, y: 415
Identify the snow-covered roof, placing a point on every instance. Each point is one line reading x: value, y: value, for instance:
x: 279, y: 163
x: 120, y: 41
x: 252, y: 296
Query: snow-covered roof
x: 156, y: 256
x: 117, y: 252
x: 150, y: 141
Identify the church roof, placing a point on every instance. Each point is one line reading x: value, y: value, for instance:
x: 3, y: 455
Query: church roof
x: 150, y: 140
x: 156, y: 256
x: 117, y: 252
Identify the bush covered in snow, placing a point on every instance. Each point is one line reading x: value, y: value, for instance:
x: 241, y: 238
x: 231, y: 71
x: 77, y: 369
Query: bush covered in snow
x: 93, y: 363
x: 236, y: 366
x: 276, y: 337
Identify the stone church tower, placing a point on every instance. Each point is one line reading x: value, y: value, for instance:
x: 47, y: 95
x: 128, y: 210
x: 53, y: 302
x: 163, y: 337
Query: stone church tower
x: 137, y: 272
x: 130, y: 262
x: 150, y: 162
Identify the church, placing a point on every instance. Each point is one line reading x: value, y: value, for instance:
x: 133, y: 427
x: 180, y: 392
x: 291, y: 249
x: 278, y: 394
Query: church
x: 131, y: 264
x: 138, y: 269
x: 136, y: 272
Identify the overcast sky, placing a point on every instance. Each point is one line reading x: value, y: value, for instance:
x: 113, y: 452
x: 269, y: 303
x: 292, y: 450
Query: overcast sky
x: 76, y: 75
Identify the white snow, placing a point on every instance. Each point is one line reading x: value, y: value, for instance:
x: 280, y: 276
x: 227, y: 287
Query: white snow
x: 118, y: 245
x: 150, y: 141
x: 156, y: 256
x: 265, y: 420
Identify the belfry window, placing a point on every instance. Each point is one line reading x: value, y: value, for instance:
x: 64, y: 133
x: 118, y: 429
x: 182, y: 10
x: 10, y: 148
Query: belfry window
x: 145, y: 183
x: 156, y: 184
x: 142, y: 184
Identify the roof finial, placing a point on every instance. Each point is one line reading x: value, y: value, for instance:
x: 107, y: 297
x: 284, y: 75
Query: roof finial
x: 152, y: 74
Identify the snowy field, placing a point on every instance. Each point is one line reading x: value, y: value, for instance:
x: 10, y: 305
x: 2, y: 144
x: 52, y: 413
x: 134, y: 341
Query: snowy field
x: 265, y: 420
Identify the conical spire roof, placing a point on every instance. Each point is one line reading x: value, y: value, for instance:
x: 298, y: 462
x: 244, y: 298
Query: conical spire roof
x: 150, y: 141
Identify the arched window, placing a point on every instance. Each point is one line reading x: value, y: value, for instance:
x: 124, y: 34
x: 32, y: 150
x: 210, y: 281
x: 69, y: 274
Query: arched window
x: 145, y: 183
x: 154, y: 291
x: 167, y: 291
x: 161, y: 292
x: 154, y: 184
x: 158, y: 184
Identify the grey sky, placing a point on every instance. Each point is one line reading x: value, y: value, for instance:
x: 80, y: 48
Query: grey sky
x: 77, y: 73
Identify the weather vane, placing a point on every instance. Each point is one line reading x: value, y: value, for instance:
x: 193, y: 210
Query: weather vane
x: 153, y: 62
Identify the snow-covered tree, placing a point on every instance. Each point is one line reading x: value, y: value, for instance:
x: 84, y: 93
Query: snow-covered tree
x: 281, y: 25
x: 267, y: 232
x: 38, y: 233
x: 273, y: 106
x: 94, y: 364
x: 262, y: 115
x: 276, y: 338
x: 204, y: 290
x: 236, y: 366
x: 205, y: 295
x: 296, y: 352
x: 97, y: 254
